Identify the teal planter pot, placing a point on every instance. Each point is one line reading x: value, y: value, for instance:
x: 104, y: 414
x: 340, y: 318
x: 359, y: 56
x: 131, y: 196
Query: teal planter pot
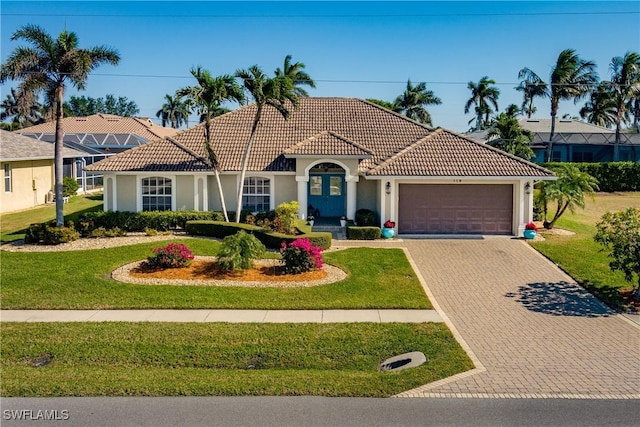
x: 529, y: 234
x: 388, y: 233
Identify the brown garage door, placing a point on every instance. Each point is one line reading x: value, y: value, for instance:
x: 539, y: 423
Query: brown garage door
x: 455, y: 209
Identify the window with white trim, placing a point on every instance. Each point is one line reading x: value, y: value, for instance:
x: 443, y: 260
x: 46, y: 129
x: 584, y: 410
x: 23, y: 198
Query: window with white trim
x: 156, y: 194
x: 256, y: 194
x: 7, y: 178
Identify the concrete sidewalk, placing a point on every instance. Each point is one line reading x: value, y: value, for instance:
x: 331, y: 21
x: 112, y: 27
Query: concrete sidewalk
x: 230, y: 316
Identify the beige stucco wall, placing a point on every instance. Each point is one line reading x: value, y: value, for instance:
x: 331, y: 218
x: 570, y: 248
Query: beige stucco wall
x: 228, y: 188
x: 24, y: 176
x: 184, y: 192
x: 127, y: 193
x: 286, y: 189
x: 367, y: 195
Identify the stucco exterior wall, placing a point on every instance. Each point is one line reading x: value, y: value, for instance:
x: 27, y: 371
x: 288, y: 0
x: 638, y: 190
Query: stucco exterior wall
x: 286, y: 189
x: 367, y: 196
x: 184, y: 193
x: 127, y: 193
x: 31, y: 180
x: 228, y: 188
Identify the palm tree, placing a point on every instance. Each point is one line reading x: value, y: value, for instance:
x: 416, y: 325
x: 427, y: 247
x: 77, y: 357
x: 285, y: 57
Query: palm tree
x: 23, y: 107
x: 600, y: 109
x: 625, y: 85
x: 175, y: 111
x: 512, y: 110
x: 512, y: 138
x: 571, y: 78
x: 48, y: 65
x: 207, y: 96
x: 296, y: 75
x: 531, y: 87
x: 278, y: 92
x: 391, y: 106
x: 633, y: 105
x: 413, y: 101
x: 567, y: 191
x: 483, y: 96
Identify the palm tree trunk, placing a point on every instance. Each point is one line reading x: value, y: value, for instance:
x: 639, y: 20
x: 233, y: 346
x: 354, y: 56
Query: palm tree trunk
x: 478, y: 119
x: 245, y: 161
x: 58, y: 158
x: 214, y: 165
x: 221, y: 195
x: 553, y: 131
x: 616, y: 148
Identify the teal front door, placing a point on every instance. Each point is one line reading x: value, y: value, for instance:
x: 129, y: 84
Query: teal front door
x: 326, y: 194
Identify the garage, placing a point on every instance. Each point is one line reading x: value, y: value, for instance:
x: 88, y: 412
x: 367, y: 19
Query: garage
x: 455, y: 209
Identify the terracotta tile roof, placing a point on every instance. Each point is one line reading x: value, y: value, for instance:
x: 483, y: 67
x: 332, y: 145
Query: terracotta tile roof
x: 103, y: 124
x: 16, y: 147
x: 164, y: 155
x: 348, y: 125
x: 444, y: 153
x: 330, y: 144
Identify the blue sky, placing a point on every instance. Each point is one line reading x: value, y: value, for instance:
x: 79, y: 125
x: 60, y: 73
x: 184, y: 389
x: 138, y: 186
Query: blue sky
x: 352, y: 49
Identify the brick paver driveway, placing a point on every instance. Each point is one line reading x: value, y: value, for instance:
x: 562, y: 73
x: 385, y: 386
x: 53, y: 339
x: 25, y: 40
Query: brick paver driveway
x: 534, y: 332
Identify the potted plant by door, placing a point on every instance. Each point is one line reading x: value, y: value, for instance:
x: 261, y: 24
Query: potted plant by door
x: 311, y: 219
x: 343, y: 221
x: 388, y: 229
x: 530, y: 231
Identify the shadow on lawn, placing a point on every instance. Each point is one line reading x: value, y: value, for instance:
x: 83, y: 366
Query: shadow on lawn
x: 560, y: 299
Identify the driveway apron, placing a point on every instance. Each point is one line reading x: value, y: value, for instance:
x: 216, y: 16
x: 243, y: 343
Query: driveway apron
x: 534, y: 332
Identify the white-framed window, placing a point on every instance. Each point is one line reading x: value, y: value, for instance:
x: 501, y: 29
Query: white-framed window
x: 156, y: 194
x: 256, y: 194
x: 7, y: 178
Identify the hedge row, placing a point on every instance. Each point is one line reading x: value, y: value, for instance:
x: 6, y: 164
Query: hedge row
x: 139, y: 221
x: 611, y: 176
x: 270, y: 239
x: 363, y: 233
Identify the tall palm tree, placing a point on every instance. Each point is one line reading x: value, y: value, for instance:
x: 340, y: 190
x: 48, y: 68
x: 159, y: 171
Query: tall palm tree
x: 207, y: 96
x: 413, y: 101
x: 512, y: 138
x: 296, y: 74
x: 571, y: 78
x: 23, y: 107
x: 624, y: 84
x: 175, y: 111
x: 633, y: 105
x: 600, y: 109
x: 483, y: 96
x: 531, y: 86
x: 48, y: 65
x: 278, y: 92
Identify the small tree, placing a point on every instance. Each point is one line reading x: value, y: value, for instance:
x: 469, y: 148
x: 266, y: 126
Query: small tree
x: 567, y: 191
x: 238, y: 251
x: 619, y: 233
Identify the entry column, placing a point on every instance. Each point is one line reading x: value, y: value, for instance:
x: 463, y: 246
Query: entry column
x: 352, y: 185
x: 303, y: 182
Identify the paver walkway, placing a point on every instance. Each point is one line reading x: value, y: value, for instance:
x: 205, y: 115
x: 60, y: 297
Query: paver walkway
x: 533, y: 332
x: 231, y: 316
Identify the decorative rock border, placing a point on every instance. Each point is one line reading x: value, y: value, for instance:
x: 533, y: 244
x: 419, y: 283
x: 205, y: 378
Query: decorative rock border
x: 334, y: 274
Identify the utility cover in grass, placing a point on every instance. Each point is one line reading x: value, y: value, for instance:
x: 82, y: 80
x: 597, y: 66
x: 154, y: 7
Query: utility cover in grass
x: 403, y: 361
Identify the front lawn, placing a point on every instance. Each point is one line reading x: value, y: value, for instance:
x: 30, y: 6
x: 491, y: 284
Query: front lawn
x: 378, y: 278
x: 145, y: 359
x: 13, y: 225
x: 580, y: 256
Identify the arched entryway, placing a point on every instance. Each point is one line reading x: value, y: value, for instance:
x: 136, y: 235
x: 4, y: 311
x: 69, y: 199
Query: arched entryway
x: 326, y: 191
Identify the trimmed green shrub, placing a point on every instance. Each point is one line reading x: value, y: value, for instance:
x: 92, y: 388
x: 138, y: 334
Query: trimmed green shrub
x: 139, y: 221
x: 363, y: 233
x: 57, y: 235
x: 270, y: 239
x: 300, y: 256
x: 611, y: 176
x: 174, y: 255
x: 35, y: 233
x: 70, y: 186
x: 286, y: 215
x: 238, y: 251
x: 365, y: 217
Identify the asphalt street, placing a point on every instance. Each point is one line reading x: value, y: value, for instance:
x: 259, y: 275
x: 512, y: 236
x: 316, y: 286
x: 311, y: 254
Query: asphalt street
x: 314, y: 411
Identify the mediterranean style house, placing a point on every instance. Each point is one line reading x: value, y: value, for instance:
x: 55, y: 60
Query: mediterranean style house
x: 334, y: 156
x: 27, y: 166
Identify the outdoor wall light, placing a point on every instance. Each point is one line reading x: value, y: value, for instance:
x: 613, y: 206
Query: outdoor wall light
x: 388, y: 187
x: 527, y: 188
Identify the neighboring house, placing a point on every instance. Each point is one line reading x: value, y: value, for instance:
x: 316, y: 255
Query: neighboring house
x: 576, y: 141
x: 27, y: 166
x: 98, y: 136
x: 335, y: 155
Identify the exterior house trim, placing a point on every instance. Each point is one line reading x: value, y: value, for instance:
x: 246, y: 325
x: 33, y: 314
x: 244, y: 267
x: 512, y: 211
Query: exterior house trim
x: 139, y: 179
x: 265, y: 175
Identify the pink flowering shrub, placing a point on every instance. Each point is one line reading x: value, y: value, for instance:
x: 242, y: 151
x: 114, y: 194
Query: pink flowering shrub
x: 174, y: 255
x: 300, y: 256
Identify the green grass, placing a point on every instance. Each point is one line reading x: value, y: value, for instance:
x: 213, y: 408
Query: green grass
x: 13, y: 225
x: 144, y: 359
x: 377, y: 278
x: 580, y: 256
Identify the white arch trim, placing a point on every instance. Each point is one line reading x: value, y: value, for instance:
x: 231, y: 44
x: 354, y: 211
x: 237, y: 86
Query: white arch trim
x: 348, y: 175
